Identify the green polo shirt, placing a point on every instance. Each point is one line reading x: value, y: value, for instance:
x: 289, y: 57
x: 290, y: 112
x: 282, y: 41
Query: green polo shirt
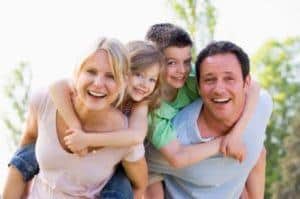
x: 160, y: 129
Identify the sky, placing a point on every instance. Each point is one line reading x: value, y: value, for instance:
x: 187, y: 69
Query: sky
x: 53, y: 35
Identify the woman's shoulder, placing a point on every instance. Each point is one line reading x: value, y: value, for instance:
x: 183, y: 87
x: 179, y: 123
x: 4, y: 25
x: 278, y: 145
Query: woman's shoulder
x: 118, y: 119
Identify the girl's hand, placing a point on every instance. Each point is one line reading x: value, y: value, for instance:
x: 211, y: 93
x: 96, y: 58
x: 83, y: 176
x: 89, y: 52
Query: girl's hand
x: 75, y: 141
x: 232, y: 145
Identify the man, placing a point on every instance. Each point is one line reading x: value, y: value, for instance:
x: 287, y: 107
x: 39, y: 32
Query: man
x: 222, y: 70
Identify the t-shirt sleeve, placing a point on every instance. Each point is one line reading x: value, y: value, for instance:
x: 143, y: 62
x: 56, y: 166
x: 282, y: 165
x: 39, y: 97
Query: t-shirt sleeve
x: 256, y: 130
x: 162, y: 133
x: 136, y: 152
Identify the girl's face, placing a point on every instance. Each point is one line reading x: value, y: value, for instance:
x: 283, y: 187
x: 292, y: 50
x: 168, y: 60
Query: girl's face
x: 96, y: 86
x: 141, y: 83
x: 178, y: 65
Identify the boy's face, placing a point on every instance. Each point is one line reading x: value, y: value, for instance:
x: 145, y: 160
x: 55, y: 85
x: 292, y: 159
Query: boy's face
x: 178, y: 65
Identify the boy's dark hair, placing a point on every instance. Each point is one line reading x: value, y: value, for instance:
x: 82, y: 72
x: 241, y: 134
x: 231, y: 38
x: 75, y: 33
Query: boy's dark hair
x: 165, y: 35
x: 222, y: 47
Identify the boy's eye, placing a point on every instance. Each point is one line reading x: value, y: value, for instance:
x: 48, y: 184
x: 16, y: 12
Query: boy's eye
x: 209, y: 80
x: 171, y: 62
x: 229, y: 78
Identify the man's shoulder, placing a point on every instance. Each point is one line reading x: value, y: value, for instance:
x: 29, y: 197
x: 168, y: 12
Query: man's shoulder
x: 190, y: 112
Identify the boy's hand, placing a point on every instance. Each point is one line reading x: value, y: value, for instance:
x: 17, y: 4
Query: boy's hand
x: 75, y: 141
x: 232, y: 145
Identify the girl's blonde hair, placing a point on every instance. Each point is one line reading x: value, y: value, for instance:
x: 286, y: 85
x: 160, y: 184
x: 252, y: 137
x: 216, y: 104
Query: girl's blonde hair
x: 118, y: 60
x: 144, y: 54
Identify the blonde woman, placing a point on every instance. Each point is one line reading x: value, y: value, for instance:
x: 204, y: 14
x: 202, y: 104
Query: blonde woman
x: 99, y: 85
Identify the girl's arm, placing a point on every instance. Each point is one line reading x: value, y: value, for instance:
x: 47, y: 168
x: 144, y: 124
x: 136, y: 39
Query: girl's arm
x: 134, y: 134
x: 61, y: 94
x: 232, y: 144
x: 15, y: 185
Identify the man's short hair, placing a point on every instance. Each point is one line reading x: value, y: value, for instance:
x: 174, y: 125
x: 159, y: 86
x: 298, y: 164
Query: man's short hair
x: 165, y: 35
x: 222, y: 47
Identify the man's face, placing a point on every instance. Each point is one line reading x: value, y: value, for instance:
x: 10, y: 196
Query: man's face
x: 222, y: 87
x: 178, y: 65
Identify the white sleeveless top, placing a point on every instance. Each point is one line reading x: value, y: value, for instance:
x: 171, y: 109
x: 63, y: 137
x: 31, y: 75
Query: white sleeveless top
x: 64, y: 175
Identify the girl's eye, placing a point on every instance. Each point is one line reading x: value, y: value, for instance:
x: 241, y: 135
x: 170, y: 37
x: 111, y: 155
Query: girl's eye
x: 152, y: 80
x: 138, y: 74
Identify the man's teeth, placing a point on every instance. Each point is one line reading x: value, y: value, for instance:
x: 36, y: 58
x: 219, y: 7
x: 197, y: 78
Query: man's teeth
x: 96, y: 94
x: 221, y: 100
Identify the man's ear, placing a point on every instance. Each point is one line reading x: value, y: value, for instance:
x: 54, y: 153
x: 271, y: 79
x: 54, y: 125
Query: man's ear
x: 247, y: 81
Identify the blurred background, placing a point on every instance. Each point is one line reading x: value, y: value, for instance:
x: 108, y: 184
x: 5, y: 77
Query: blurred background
x: 43, y: 40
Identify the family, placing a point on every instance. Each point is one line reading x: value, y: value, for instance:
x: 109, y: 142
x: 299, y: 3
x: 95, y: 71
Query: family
x: 141, y: 121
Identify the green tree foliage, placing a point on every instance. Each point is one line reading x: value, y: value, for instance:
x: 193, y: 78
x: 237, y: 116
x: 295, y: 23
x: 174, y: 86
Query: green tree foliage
x: 276, y: 64
x: 289, y: 186
x: 16, y: 93
x: 199, y: 19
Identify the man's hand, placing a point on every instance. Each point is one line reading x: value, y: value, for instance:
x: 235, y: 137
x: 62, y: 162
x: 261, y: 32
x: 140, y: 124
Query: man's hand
x: 76, y: 142
x: 232, y: 145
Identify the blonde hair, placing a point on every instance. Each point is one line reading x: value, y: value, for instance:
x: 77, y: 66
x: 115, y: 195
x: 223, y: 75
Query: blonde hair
x: 118, y: 60
x: 144, y: 54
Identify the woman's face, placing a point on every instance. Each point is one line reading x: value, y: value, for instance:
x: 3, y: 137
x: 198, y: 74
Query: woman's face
x: 96, y: 86
x: 141, y: 83
x: 178, y: 65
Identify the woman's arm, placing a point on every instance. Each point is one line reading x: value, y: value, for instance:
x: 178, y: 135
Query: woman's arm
x: 137, y: 172
x: 15, y: 185
x: 134, y: 134
x: 232, y: 144
x: 61, y: 94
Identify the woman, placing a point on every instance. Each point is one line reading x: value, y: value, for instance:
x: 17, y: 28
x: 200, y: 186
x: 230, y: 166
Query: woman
x: 99, y: 86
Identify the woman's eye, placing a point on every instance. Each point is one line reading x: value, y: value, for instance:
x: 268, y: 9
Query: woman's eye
x: 91, y: 71
x: 110, y: 76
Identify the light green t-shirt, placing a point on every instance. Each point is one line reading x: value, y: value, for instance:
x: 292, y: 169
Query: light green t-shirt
x: 160, y: 129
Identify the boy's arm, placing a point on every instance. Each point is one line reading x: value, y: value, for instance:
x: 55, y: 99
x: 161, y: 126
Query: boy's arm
x: 179, y: 156
x: 15, y: 184
x: 61, y: 94
x: 137, y: 172
x: 232, y: 144
x: 134, y: 134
